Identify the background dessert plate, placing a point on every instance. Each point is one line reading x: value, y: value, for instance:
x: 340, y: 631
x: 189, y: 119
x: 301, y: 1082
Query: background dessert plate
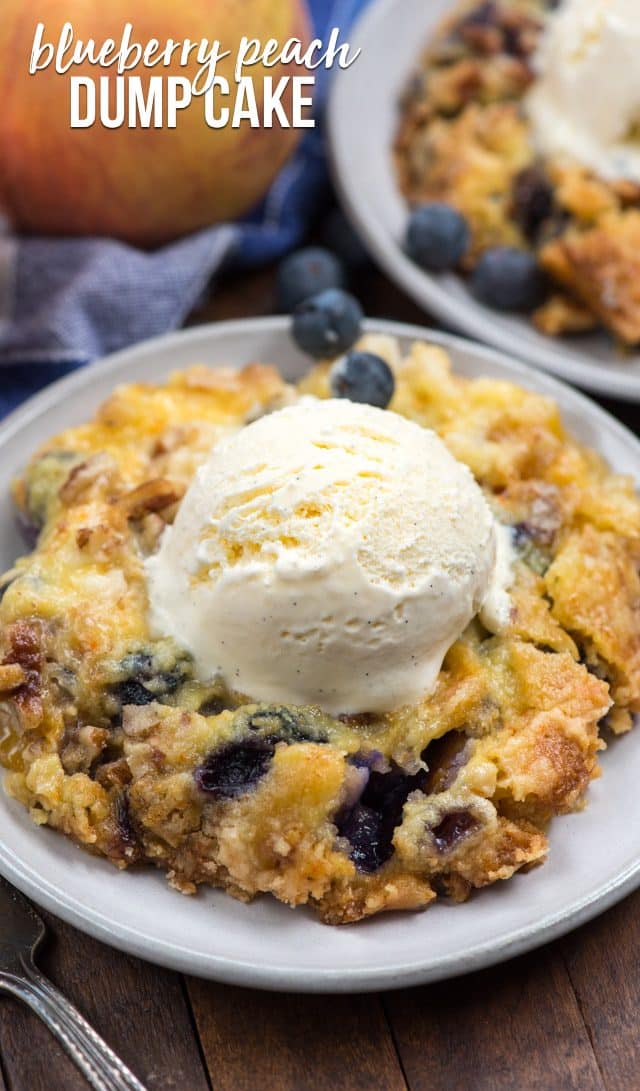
x: 363, y: 116
x: 595, y: 856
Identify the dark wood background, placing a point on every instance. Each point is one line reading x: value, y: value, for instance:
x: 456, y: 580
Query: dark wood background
x: 564, y: 1018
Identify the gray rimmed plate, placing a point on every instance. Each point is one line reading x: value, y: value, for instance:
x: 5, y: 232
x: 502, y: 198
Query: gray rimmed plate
x: 595, y: 856
x: 362, y: 120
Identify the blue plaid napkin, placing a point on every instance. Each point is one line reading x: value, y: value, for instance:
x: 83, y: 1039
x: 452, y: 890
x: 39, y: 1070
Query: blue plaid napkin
x: 64, y: 302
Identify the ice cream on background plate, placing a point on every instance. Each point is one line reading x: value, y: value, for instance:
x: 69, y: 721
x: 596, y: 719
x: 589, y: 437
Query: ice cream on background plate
x: 329, y: 553
x: 585, y: 103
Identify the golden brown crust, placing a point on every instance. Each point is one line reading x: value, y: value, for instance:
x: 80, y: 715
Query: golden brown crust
x: 594, y: 584
x: 601, y: 266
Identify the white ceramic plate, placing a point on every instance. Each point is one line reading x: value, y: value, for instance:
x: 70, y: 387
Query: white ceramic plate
x: 595, y: 856
x: 363, y: 114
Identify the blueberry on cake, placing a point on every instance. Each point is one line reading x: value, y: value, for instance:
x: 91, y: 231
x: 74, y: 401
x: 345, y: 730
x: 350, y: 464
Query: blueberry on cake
x: 506, y: 124
x: 279, y: 641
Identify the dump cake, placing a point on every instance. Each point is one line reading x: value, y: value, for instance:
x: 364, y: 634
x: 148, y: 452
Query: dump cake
x: 131, y: 734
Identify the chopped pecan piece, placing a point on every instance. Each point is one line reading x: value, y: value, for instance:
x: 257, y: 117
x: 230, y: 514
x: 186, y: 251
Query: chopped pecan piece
x: 24, y: 641
x: 81, y: 748
x: 601, y: 267
x: 113, y: 774
x: 25, y: 652
x: 99, y: 539
x: 84, y: 475
x: 150, y: 530
x: 170, y: 440
x: 152, y: 496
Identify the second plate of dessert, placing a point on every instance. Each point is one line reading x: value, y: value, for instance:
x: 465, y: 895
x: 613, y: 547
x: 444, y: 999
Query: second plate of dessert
x: 373, y: 99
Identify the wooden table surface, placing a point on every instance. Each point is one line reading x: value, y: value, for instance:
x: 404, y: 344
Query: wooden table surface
x: 564, y: 1017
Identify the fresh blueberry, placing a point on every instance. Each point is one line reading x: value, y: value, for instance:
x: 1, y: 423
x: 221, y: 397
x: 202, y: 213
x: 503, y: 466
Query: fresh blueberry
x: 234, y: 768
x: 437, y: 236
x: 508, y: 279
x: 362, y: 377
x: 327, y: 323
x: 305, y: 273
x: 338, y: 235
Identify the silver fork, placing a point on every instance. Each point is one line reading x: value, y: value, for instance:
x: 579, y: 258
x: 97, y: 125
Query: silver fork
x: 21, y: 932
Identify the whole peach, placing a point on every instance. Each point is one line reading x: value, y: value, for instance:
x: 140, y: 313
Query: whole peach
x: 142, y: 185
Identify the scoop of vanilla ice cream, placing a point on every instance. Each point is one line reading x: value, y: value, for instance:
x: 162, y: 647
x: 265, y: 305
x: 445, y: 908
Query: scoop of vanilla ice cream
x: 585, y: 103
x: 329, y: 553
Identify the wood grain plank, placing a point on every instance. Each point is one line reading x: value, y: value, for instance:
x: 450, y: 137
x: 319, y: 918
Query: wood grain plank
x: 253, y: 293
x: 139, y: 1009
x: 9, y: 1008
x: 31, y: 1056
x: 603, y: 960
x: 287, y: 1042
x: 515, y: 1026
x: 239, y: 296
